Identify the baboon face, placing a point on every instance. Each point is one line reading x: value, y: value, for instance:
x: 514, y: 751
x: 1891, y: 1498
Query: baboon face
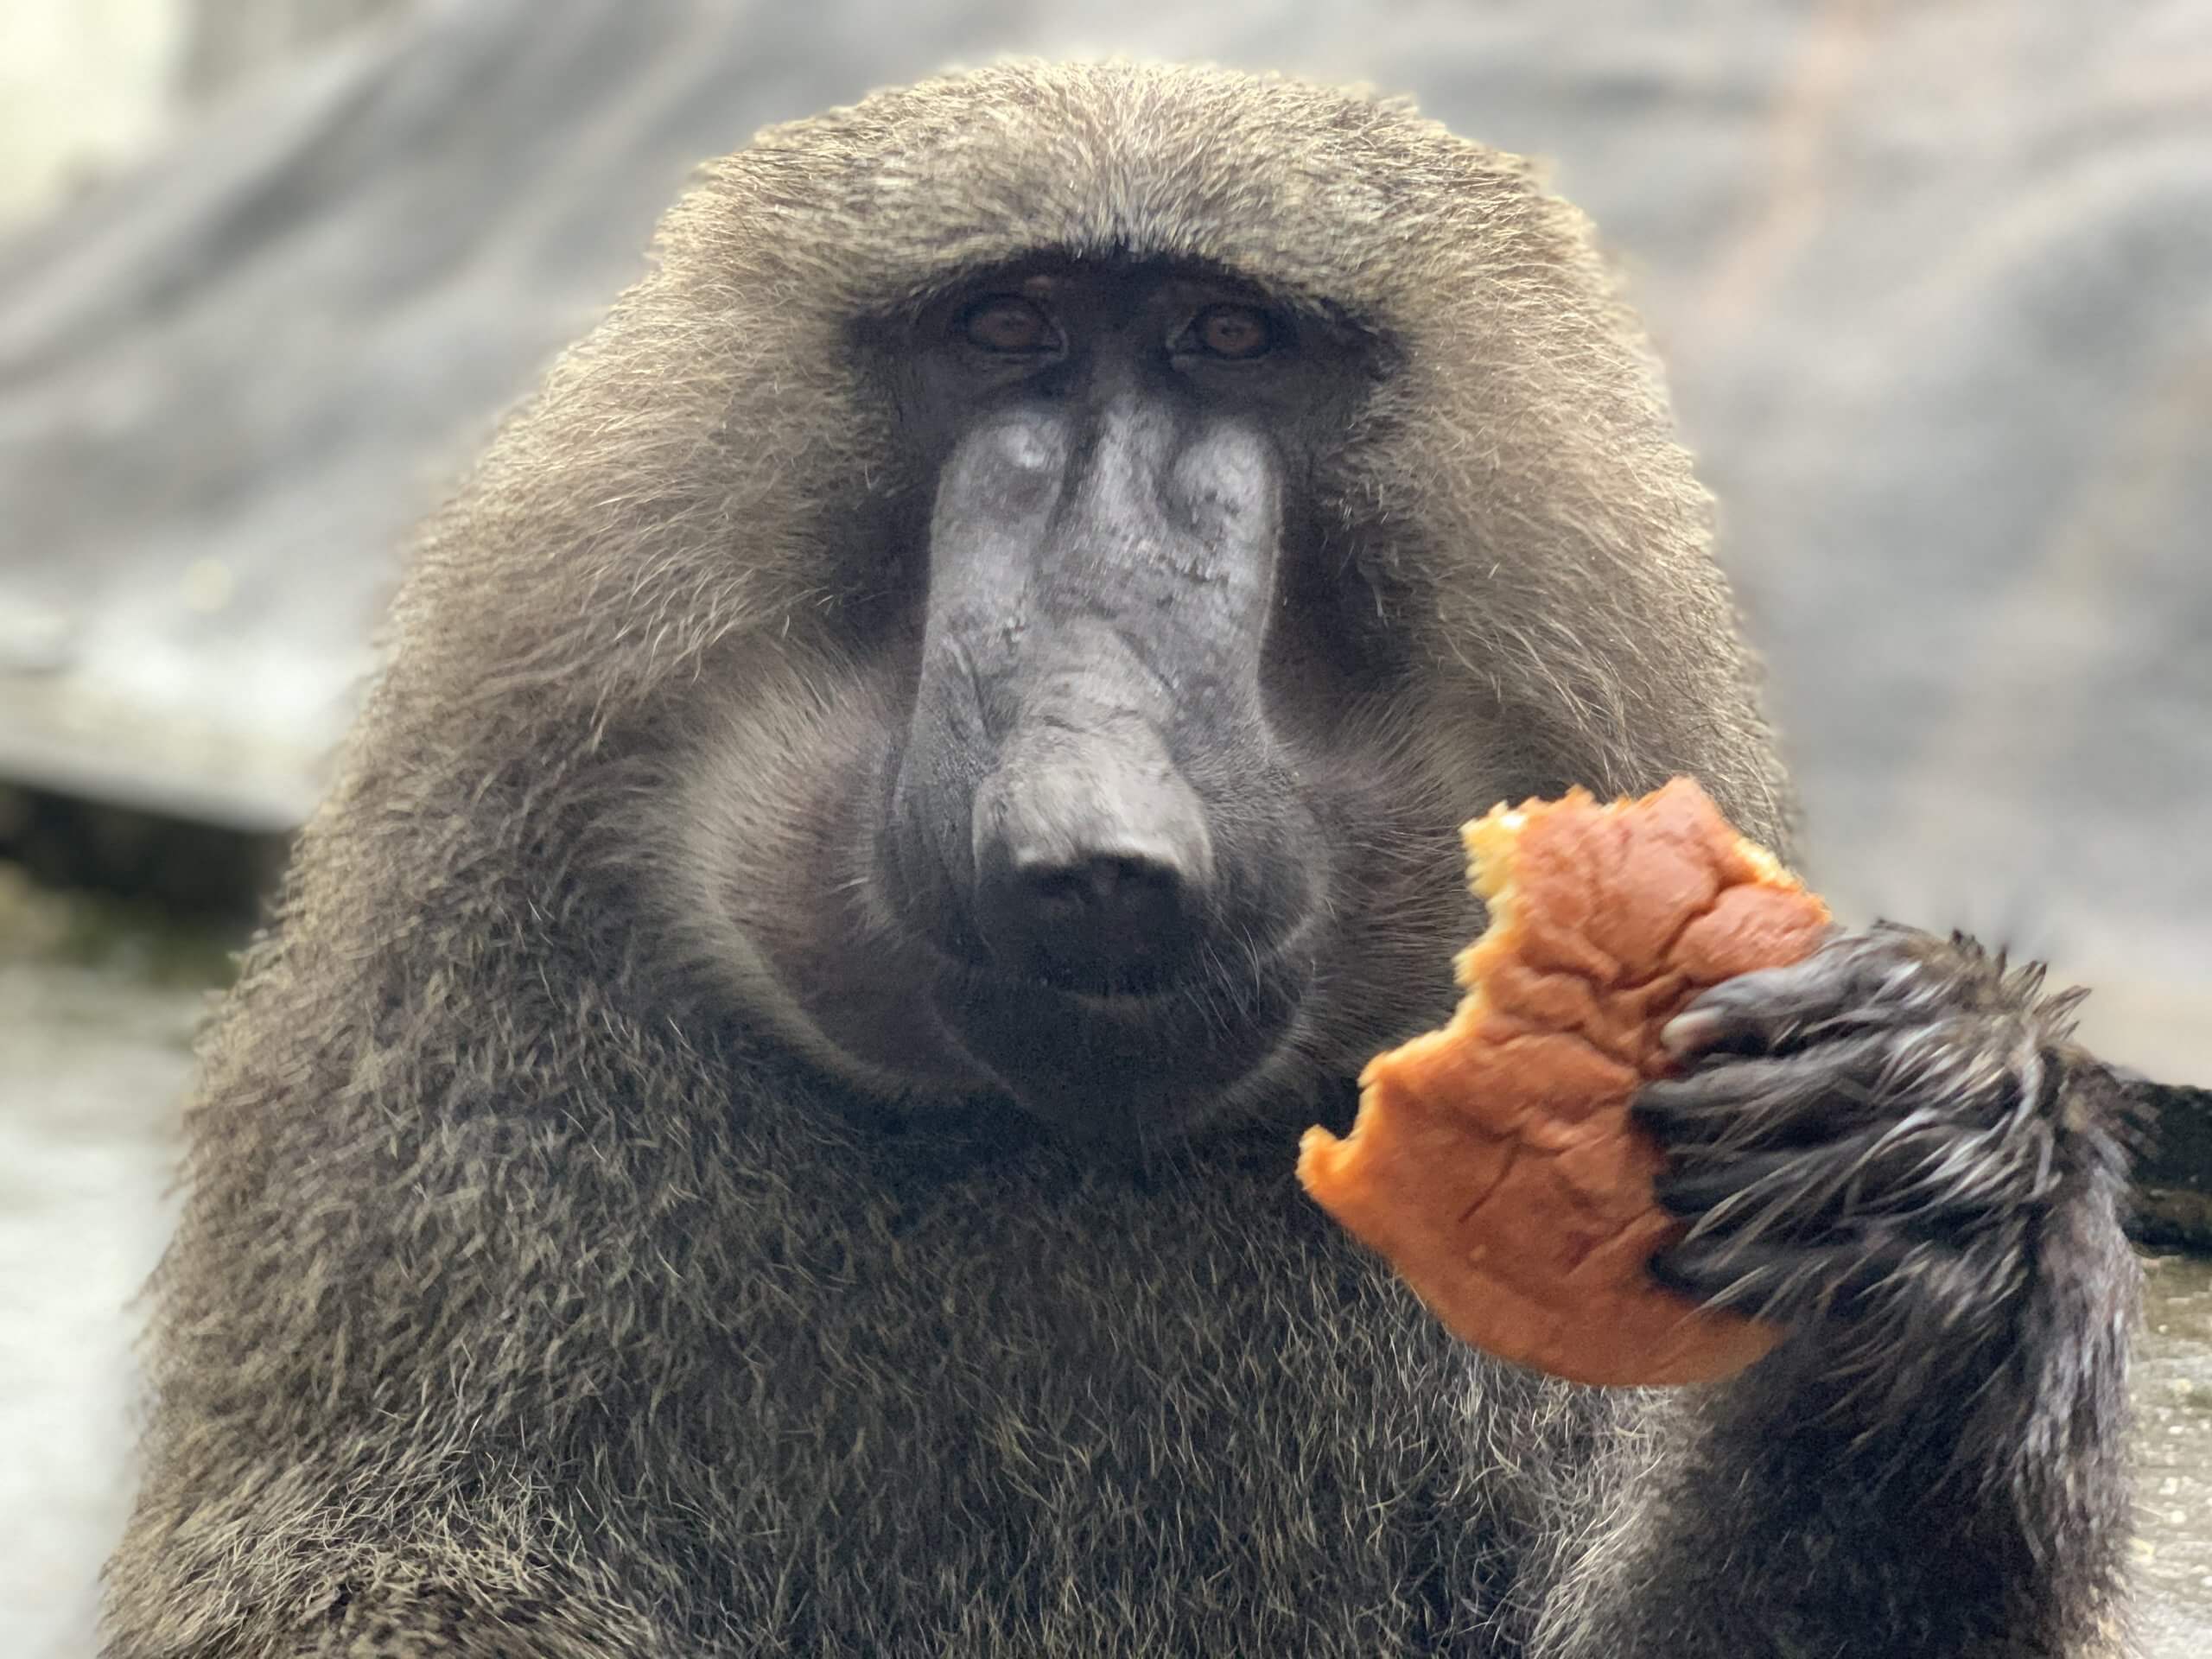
x: 1081, y: 539
x: 1126, y: 693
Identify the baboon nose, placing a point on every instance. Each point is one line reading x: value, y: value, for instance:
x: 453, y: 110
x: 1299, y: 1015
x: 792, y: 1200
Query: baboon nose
x: 1089, y: 873
x: 1098, y: 920
x: 1101, y: 920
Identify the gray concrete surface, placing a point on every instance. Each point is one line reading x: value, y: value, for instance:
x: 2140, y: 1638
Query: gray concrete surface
x: 96, y: 1055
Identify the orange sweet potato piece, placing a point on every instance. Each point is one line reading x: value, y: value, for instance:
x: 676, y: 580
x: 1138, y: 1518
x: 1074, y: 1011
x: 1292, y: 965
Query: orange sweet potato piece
x: 1494, y: 1163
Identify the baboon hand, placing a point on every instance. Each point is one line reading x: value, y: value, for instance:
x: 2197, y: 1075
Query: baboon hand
x: 1868, y: 1141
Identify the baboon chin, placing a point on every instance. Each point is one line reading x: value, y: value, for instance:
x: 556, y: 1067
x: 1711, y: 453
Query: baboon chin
x: 983, y: 654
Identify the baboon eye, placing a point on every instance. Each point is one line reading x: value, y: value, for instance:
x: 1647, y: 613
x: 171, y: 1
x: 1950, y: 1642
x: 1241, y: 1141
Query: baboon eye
x: 1008, y: 324
x: 1235, y: 332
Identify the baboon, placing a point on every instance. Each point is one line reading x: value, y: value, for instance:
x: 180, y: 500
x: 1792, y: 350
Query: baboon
x: 921, y: 758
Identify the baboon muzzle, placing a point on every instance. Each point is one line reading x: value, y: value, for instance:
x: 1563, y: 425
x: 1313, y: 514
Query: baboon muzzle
x: 1098, y: 597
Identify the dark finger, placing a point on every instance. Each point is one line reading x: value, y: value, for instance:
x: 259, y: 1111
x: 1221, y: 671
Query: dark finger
x: 1740, y: 1103
x: 1854, y: 981
x: 1758, y: 1190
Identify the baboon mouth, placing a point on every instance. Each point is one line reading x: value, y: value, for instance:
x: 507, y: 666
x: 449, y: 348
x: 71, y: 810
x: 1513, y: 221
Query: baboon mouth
x: 1141, y: 1057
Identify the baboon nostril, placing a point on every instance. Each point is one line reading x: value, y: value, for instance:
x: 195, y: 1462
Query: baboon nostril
x: 1091, y: 920
x: 1102, y: 883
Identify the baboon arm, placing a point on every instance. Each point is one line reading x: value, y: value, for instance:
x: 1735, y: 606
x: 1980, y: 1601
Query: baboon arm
x: 1934, y: 1461
x: 1739, y: 1523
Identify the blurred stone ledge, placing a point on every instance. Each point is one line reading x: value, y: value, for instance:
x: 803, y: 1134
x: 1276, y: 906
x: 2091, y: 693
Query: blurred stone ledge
x: 2173, y: 1203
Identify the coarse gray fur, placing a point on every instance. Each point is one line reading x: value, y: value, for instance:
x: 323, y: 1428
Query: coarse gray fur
x: 550, y: 1286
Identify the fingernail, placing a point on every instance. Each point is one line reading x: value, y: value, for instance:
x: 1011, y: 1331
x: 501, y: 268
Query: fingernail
x: 1687, y: 1032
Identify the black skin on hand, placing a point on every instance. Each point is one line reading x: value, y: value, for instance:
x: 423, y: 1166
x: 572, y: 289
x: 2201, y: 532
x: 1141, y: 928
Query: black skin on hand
x: 1872, y: 1147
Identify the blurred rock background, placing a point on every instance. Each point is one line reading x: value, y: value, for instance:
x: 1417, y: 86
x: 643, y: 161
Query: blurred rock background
x: 1934, y: 278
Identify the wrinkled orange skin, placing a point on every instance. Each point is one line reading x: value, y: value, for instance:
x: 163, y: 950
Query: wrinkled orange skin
x: 1494, y: 1163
